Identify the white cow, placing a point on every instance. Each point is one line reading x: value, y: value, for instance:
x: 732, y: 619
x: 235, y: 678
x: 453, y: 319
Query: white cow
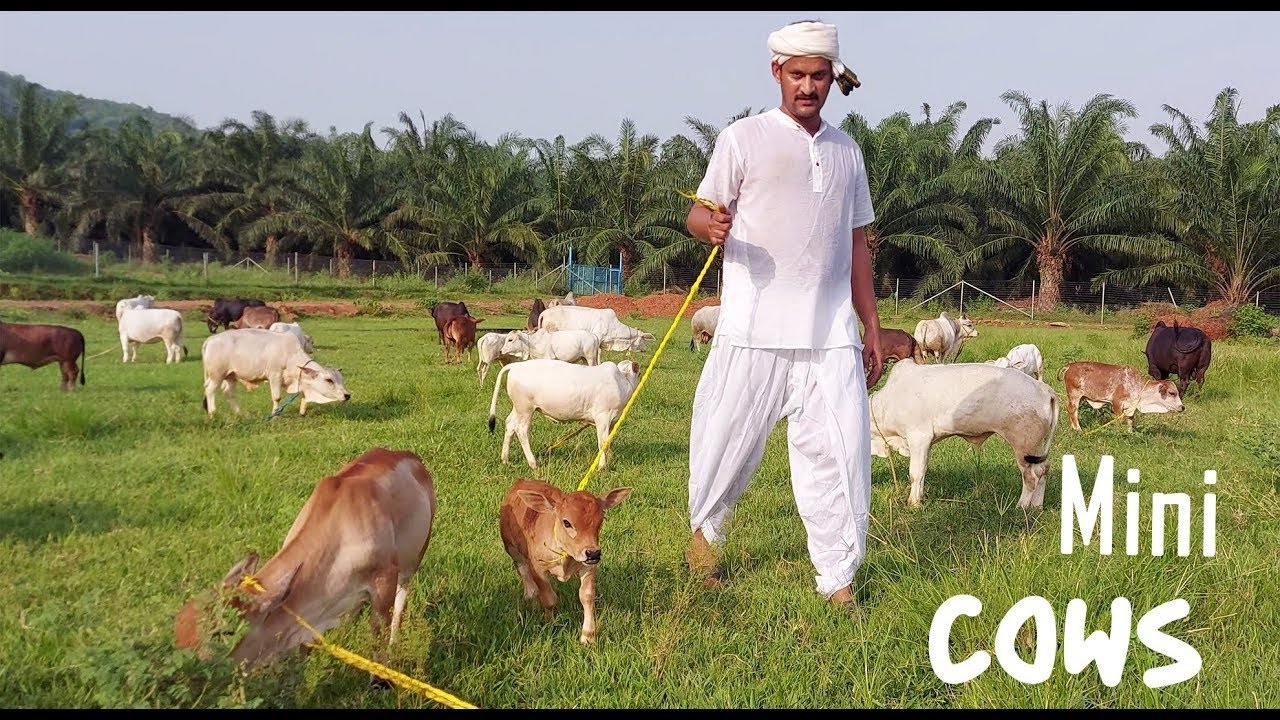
x: 601, y: 322
x: 558, y: 302
x: 1024, y: 357
x: 566, y: 345
x: 293, y: 327
x: 921, y: 405
x: 144, y: 301
x: 704, y: 326
x: 489, y: 348
x: 251, y: 356
x: 144, y: 325
x: 942, y: 337
x: 563, y: 392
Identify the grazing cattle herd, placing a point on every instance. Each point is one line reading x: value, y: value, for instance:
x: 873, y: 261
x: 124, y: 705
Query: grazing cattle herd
x: 363, y: 532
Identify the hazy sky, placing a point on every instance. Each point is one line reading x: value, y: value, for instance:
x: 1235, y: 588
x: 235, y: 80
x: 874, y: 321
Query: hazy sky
x: 547, y: 73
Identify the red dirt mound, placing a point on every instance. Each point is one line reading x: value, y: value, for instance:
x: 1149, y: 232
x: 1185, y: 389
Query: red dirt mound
x: 1214, y: 319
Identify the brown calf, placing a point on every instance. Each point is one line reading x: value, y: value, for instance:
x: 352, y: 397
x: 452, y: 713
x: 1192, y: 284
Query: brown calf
x: 360, y: 536
x: 551, y: 533
x: 38, y: 345
x: 257, y: 317
x: 896, y: 344
x: 460, y: 334
x: 534, y: 314
x: 1120, y: 386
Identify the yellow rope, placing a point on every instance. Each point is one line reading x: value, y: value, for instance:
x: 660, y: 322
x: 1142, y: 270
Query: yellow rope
x: 653, y: 360
x: 363, y: 663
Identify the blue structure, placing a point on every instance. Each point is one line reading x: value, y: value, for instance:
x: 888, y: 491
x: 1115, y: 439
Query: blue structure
x: 590, y: 279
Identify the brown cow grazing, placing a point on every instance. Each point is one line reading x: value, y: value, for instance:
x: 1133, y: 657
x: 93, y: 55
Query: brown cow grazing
x: 460, y: 334
x: 38, y: 345
x: 1120, y: 386
x: 442, y: 311
x: 551, y: 533
x: 534, y: 314
x: 1178, y: 350
x: 896, y: 344
x: 360, y: 536
x: 261, y: 316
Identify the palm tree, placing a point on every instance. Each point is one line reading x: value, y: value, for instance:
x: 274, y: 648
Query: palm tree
x: 1222, y: 193
x: 342, y: 197
x: 634, y: 208
x: 35, y: 144
x: 1066, y: 184
x: 134, y: 178
x: 918, y: 200
x: 257, y: 163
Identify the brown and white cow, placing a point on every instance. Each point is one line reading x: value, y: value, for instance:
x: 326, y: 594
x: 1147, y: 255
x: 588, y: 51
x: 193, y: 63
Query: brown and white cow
x: 38, y: 345
x: 1120, y: 386
x: 550, y: 533
x: 260, y: 316
x: 896, y: 344
x: 442, y: 312
x: 359, y: 537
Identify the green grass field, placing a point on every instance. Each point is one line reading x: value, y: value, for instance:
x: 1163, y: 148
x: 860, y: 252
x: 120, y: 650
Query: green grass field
x: 120, y: 500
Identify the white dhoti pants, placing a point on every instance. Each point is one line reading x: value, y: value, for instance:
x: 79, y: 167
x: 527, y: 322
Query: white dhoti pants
x: 741, y: 396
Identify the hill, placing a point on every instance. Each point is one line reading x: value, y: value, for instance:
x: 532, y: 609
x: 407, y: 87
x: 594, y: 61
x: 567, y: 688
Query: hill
x: 94, y: 112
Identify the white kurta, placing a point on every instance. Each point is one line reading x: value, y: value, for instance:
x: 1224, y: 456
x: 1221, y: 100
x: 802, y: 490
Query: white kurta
x: 787, y: 344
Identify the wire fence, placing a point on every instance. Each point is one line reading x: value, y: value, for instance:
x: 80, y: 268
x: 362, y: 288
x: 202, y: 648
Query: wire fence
x: 907, y: 295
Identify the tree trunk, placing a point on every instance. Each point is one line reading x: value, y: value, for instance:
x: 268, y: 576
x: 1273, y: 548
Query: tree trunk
x: 873, y: 246
x: 628, y: 259
x: 148, y: 244
x: 342, y: 248
x: 273, y: 250
x: 30, y: 209
x: 1051, y: 262
x: 473, y: 258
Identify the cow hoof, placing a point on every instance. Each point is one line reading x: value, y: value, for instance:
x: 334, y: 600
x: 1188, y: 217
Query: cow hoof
x: 587, y: 638
x: 377, y: 683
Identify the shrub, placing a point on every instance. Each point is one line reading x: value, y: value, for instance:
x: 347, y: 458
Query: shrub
x: 1252, y: 321
x: 22, y: 253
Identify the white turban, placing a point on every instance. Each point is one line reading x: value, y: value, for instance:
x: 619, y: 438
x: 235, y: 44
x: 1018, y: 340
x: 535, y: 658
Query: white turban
x: 812, y: 39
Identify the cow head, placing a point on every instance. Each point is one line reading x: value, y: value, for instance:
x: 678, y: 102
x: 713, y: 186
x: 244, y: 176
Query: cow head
x: 319, y: 384
x: 213, y: 324
x: 268, y: 630
x: 965, y: 328
x: 629, y: 371
x: 576, y: 519
x: 516, y: 344
x: 1159, y: 396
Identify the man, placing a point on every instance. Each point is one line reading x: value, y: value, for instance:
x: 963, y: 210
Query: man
x: 793, y: 199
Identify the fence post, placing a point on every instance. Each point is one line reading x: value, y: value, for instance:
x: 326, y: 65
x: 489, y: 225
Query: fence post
x: 375, y: 273
x: 664, y: 278
x: 897, y: 283
x: 437, y: 269
x: 1175, y: 302
x: 297, y: 271
x: 962, y: 298
x: 1033, y: 299
x: 206, y: 268
x: 1257, y: 298
x: 96, y: 273
x: 128, y: 255
x: 1103, y: 313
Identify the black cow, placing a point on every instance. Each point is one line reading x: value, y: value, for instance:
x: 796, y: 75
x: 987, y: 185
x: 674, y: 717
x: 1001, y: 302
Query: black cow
x: 1177, y: 350
x: 535, y: 313
x: 226, y: 311
x: 444, y: 311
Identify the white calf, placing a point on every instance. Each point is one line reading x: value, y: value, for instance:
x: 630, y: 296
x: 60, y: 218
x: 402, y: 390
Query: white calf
x: 489, y: 348
x: 1025, y: 358
x: 145, y: 325
x: 143, y: 301
x: 567, y: 345
x: 296, y: 329
x: 563, y: 392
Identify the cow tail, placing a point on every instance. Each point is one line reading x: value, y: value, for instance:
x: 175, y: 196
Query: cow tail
x: 84, y: 348
x: 1062, y: 372
x: 690, y: 344
x: 493, y: 404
